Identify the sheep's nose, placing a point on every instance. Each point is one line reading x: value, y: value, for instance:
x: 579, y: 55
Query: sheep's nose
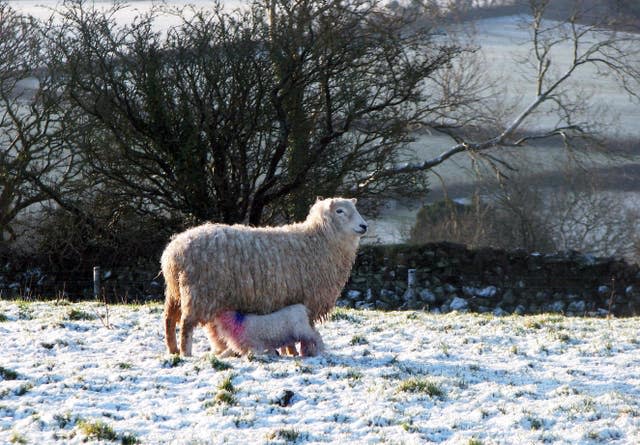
x: 363, y: 227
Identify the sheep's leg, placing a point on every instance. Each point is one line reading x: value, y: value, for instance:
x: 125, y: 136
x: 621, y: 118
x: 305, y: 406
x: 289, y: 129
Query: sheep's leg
x: 226, y: 353
x: 171, y: 317
x: 187, y: 324
x: 290, y: 349
x: 307, y: 348
x: 218, y: 345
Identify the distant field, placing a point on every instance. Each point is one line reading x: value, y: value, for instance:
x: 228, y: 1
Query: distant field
x: 503, y: 40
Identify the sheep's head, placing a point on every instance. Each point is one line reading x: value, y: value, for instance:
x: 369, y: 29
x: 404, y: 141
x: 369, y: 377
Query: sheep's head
x: 341, y: 215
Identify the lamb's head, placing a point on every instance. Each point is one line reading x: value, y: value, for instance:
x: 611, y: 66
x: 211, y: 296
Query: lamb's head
x: 341, y: 215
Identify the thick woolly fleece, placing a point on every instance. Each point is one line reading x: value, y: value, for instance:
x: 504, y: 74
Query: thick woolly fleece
x: 214, y: 267
x: 244, y: 333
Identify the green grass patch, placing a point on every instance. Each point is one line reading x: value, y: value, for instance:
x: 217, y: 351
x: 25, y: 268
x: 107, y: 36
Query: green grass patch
x: 17, y: 438
x: 358, y: 340
x: 218, y: 364
x: 224, y: 398
x: 3, y: 317
x: 287, y: 434
x: 532, y: 324
x: 535, y: 423
x: 415, y: 385
x: 227, y: 384
x: 24, y: 310
x: 64, y: 419
x: 8, y: 374
x: 225, y: 395
x: 97, y: 429
x: 343, y: 314
x: 172, y: 361
x: 129, y: 439
x: 74, y: 314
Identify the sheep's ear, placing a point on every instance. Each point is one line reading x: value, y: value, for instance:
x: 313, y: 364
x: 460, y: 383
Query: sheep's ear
x: 354, y: 200
x: 319, y: 198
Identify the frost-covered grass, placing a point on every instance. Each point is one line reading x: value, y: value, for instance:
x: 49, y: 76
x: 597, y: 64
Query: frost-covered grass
x: 396, y: 377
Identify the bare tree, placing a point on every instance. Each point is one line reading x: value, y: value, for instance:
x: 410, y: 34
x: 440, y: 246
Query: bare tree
x: 229, y: 116
x: 594, y: 43
x: 34, y: 165
x: 590, y: 220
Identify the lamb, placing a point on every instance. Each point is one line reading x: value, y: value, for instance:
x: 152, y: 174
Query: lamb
x: 244, y: 333
x: 212, y: 268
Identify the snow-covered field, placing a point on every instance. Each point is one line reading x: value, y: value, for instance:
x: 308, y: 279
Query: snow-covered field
x: 70, y: 374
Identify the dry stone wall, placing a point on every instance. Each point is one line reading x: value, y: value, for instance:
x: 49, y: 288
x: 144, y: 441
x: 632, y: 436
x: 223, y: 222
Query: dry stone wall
x: 451, y: 277
x: 446, y: 277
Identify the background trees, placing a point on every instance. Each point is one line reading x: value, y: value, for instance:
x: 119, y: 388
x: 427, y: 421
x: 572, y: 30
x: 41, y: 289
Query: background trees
x: 34, y: 163
x: 248, y: 116
x: 137, y: 130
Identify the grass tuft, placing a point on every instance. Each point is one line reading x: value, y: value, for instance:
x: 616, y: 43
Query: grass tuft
x: 8, y: 374
x: 343, y: 314
x: 227, y: 384
x: 415, y: 385
x: 172, y: 361
x: 97, y: 430
x: 129, y: 439
x: 24, y: 310
x: 65, y: 419
x: 358, y: 340
x: 218, y: 364
x: 224, y: 398
x: 17, y: 438
x: 78, y: 315
x: 225, y: 395
x: 535, y: 423
x: 288, y: 435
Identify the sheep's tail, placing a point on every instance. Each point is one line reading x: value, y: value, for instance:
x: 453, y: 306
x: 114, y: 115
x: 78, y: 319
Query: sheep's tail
x: 172, y: 312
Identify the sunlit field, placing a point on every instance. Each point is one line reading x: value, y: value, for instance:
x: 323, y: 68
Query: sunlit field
x: 77, y: 373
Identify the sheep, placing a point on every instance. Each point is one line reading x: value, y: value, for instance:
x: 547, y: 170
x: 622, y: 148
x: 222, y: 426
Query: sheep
x: 244, y: 333
x: 215, y: 267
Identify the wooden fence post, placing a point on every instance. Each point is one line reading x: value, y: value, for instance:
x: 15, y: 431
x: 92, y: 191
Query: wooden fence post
x: 96, y: 281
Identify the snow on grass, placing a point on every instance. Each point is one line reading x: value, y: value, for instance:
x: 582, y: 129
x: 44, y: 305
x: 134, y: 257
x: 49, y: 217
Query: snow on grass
x: 71, y: 373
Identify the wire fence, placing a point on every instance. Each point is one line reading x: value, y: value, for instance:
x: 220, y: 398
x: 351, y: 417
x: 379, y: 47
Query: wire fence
x: 112, y: 285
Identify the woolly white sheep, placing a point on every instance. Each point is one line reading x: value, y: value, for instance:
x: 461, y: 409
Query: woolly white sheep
x: 244, y: 333
x: 213, y: 268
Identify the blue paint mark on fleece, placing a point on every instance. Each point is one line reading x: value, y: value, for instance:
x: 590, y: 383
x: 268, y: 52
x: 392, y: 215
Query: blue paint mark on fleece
x: 239, y: 318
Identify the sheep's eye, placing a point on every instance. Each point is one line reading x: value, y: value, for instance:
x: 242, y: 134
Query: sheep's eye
x: 339, y: 211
